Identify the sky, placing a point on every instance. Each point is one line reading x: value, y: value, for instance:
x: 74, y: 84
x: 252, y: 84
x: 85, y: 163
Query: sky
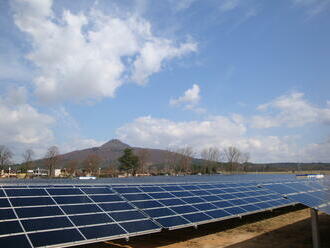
x: 168, y: 74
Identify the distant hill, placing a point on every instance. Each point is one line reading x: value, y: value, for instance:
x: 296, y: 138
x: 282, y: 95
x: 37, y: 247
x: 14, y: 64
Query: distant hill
x: 109, y: 153
x: 113, y: 149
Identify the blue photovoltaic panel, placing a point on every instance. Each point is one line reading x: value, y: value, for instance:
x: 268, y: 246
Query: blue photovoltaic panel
x: 16, y: 241
x: 314, y: 194
x: 90, y: 219
x: 26, y: 192
x: 139, y: 226
x: 31, y: 212
x: 46, y: 223
x: 102, y: 231
x: 55, y: 237
x: 9, y: 227
x: 172, y: 222
x: 66, y: 214
x: 105, y: 198
x: 31, y: 201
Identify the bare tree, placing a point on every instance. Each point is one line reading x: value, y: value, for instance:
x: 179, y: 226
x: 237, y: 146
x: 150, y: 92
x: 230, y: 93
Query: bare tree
x: 143, y: 155
x: 52, y: 158
x: 245, y: 157
x: 112, y: 169
x: 92, y: 163
x: 28, y: 159
x: 172, y: 159
x: 233, y: 156
x: 186, y: 156
x: 211, y: 157
x: 71, y: 166
x: 5, y: 157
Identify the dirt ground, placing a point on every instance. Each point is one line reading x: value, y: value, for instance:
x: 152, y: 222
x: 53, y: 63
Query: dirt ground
x: 283, y: 228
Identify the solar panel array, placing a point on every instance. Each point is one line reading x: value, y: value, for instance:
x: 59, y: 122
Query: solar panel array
x: 176, y: 206
x: 66, y: 215
x: 37, y: 217
x: 312, y: 193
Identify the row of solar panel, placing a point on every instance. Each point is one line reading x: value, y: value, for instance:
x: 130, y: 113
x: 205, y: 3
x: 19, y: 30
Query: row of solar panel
x: 73, y: 235
x: 146, y: 195
x: 310, y: 193
x: 33, y: 185
x: 131, y: 189
x: 99, y: 229
x: 171, y: 207
x: 189, y: 214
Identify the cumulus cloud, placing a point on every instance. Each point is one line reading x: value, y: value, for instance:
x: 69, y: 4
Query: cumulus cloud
x: 317, y: 152
x: 22, y: 125
x: 153, y: 53
x: 216, y: 131
x: 154, y: 132
x: 88, y: 56
x: 291, y: 110
x: 189, y: 100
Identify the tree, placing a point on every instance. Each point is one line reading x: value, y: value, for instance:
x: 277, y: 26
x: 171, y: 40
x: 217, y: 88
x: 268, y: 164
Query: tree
x: 92, y: 163
x: 233, y: 156
x: 71, y: 167
x: 28, y: 159
x: 211, y: 157
x: 5, y: 157
x: 185, y: 159
x: 143, y: 155
x: 129, y: 162
x: 245, y: 157
x: 172, y: 159
x: 112, y: 169
x: 52, y: 158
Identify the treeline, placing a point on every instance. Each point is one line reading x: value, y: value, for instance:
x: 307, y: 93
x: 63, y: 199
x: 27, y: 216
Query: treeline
x: 136, y: 162
x: 179, y: 161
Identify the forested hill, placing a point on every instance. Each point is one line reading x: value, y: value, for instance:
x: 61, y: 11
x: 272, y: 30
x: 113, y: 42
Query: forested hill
x: 109, y: 153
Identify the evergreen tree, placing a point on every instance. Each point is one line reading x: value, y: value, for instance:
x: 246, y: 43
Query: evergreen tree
x: 129, y: 162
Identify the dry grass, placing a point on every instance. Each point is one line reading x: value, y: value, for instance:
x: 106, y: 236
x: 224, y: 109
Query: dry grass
x: 283, y: 228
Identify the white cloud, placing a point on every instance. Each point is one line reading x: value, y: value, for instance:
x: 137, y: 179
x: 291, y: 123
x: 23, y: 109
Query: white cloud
x: 218, y: 131
x: 79, y: 144
x: 153, y: 53
x: 221, y: 132
x: 190, y: 96
x: 227, y: 5
x: 291, y: 110
x: 21, y: 125
x: 88, y: 56
x: 316, y: 152
x: 314, y: 6
x: 153, y: 132
x: 182, y: 4
x: 189, y: 100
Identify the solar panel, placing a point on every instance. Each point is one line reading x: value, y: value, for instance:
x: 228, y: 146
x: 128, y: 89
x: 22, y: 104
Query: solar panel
x: 189, y: 204
x: 314, y: 194
x: 52, y: 215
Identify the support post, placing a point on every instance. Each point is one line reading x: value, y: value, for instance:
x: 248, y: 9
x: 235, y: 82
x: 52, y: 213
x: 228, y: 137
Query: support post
x: 315, y: 228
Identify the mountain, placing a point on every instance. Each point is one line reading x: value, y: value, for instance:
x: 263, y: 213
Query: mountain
x: 113, y: 149
x: 109, y: 153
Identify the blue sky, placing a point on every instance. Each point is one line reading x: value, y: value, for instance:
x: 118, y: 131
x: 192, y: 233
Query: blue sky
x: 167, y: 74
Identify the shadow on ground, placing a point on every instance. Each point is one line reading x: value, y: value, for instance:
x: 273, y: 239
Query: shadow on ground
x: 296, y: 235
